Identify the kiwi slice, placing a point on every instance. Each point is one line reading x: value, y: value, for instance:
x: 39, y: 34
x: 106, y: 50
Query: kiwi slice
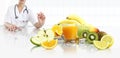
x: 85, y: 33
x: 101, y: 34
x: 91, y: 37
x: 82, y: 29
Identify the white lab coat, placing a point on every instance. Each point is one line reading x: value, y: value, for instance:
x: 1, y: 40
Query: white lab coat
x: 23, y: 18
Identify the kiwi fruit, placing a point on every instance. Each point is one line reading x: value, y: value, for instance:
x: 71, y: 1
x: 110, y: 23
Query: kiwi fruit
x: 81, y: 30
x: 85, y: 33
x: 91, y: 37
x: 101, y: 34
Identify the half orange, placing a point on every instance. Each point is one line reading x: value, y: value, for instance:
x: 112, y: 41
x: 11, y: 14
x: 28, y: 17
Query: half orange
x: 49, y: 44
x: 57, y: 29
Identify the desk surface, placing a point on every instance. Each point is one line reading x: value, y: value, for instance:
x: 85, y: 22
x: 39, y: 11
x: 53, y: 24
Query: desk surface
x: 18, y: 45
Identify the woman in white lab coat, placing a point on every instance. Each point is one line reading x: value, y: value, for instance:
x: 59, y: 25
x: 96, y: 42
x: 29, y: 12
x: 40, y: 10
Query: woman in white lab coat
x: 19, y: 15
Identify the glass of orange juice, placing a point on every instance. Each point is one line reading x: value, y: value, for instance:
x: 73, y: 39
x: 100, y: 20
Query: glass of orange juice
x: 70, y: 32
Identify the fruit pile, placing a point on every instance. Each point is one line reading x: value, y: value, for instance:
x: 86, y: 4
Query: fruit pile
x: 47, y: 38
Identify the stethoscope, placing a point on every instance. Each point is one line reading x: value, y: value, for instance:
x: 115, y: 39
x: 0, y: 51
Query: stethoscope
x: 16, y: 17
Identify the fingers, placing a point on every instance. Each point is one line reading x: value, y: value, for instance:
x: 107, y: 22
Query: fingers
x: 41, y: 15
x: 12, y: 28
x: 19, y: 28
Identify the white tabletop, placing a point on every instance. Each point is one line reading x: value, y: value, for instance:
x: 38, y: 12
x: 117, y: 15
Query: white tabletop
x: 17, y: 45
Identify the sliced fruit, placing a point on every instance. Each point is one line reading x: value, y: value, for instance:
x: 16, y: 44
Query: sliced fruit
x: 101, y: 44
x: 83, y: 33
x: 46, y: 34
x: 108, y: 39
x: 49, y: 44
x: 35, y: 40
x: 91, y: 37
x: 81, y: 29
x: 42, y: 35
x: 57, y: 29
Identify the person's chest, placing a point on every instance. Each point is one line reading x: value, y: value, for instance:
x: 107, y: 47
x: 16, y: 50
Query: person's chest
x: 21, y: 14
x: 22, y: 17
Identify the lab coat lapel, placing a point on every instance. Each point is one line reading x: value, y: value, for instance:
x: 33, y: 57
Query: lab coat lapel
x: 19, y: 13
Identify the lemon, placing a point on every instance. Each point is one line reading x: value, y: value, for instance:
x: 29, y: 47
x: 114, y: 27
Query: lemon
x: 101, y: 44
x: 109, y: 39
x: 49, y: 44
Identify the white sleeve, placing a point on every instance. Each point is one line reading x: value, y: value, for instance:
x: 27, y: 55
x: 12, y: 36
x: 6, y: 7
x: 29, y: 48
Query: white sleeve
x: 8, y: 15
x: 32, y: 18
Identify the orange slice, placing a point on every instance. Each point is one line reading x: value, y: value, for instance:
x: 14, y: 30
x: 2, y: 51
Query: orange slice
x: 49, y: 44
x: 57, y: 29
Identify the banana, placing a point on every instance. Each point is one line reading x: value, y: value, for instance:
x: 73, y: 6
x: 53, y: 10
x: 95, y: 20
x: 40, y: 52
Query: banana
x: 76, y: 18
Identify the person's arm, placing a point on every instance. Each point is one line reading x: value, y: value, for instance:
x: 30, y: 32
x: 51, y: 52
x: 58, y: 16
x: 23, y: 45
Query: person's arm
x: 7, y: 20
x: 41, y: 20
x: 37, y: 21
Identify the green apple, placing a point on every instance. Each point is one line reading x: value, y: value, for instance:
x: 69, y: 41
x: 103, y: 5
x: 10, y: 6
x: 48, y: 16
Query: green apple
x: 47, y: 34
x: 42, y: 35
x: 35, y: 40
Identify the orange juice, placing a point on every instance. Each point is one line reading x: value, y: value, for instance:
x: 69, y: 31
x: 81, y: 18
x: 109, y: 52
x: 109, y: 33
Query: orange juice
x: 70, y: 32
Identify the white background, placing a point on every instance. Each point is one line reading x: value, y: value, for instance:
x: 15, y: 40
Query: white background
x: 96, y: 12
x: 104, y: 14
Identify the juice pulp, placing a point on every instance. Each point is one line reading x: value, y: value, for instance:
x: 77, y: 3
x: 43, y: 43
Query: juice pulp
x: 70, y: 32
